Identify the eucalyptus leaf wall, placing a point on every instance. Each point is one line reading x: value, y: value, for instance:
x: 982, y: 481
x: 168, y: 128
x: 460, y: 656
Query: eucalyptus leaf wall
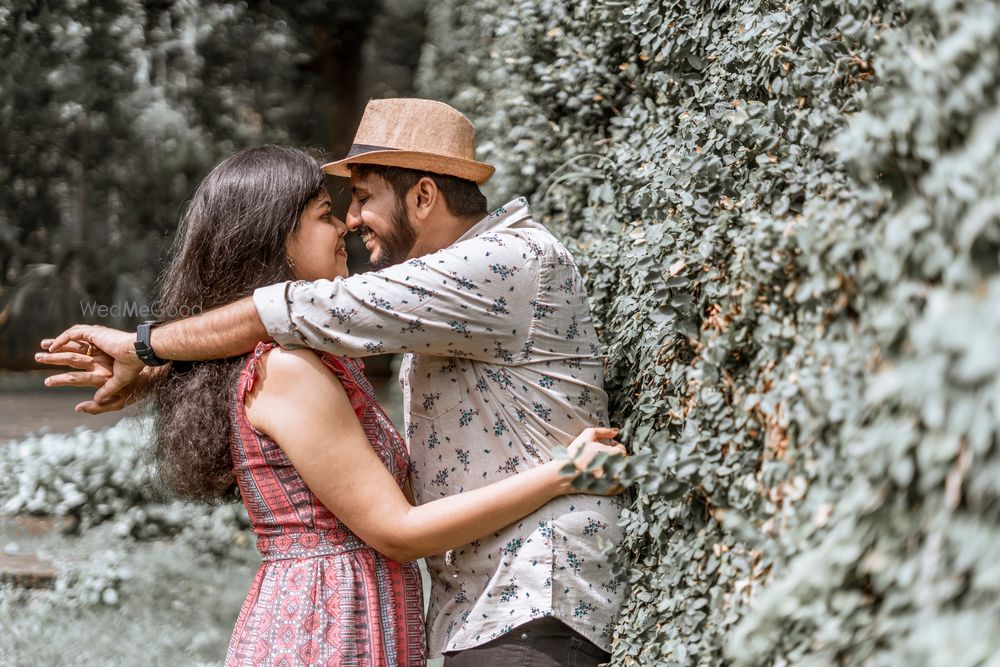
x: 787, y: 215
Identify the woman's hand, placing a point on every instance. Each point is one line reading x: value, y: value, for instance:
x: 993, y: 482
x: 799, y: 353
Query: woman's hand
x: 588, y: 454
x: 94, y: 366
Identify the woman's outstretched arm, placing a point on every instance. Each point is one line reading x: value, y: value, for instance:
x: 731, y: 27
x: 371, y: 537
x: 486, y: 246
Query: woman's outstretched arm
x: 303, y: 407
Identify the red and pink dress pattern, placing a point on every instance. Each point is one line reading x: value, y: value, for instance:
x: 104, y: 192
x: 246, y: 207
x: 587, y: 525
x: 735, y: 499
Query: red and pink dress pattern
x: 321, y: 595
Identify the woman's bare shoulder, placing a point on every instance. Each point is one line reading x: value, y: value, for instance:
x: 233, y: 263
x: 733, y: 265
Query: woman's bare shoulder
x: 290, y: 378
x: 281, y: 364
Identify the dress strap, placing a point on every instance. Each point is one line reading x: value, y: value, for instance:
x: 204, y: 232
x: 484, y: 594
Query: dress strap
x: 248, y: 376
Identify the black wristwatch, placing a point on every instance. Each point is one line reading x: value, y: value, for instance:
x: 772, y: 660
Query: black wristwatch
x: 142, y: 347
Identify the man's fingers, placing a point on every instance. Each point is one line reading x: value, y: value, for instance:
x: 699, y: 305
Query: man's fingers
x: 71, y: 359
x: 76, y: 346
x: 74, y: 333
x: 71, y: 346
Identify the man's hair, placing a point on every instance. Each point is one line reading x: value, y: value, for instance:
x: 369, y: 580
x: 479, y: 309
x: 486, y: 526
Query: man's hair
x: 462, y: 197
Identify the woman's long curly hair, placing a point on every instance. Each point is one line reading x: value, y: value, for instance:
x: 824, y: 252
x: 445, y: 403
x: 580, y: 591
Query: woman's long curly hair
x: 232, y: 240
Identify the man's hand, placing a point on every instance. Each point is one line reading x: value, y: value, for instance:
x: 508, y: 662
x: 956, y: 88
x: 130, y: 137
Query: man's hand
x: 109, y: 345
x: 94, y: 370
x: 226, y: 331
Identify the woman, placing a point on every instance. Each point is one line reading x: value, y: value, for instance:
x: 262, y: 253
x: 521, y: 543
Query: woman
x: 318, y: 464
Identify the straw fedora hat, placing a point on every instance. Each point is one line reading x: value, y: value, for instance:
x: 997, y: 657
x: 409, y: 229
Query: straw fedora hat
x: 415, y: 134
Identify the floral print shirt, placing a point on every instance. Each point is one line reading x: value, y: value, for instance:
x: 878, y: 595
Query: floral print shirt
x: 502, y: 364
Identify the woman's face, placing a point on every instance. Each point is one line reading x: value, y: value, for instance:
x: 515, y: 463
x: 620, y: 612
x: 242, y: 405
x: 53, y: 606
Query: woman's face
x: 317, y: 246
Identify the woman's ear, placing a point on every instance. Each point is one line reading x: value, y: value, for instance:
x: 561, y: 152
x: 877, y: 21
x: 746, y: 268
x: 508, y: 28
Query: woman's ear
x: 425, y: 196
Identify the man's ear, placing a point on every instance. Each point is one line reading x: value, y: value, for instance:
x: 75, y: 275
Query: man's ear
x: 425, y: 197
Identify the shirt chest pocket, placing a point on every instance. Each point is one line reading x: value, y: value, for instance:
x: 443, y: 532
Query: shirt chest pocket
x: 435, y: 386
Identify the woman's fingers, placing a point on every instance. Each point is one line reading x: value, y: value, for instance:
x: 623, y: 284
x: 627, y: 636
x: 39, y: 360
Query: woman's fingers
x: 591, y: 434
x: 89, y: 373
x: 76, y: 379
x: 584, y: 457
x: 93, y: 408
x: 71, y: 359
x: 116, y: 383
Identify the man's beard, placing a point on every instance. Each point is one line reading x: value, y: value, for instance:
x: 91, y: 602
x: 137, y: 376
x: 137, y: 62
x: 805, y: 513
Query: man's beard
x: 396, y: 244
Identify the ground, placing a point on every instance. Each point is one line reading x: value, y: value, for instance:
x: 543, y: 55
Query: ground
x: 26, y: 406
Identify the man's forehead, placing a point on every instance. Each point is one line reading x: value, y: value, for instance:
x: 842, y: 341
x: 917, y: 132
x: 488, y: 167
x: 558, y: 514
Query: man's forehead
x: 365, y: 182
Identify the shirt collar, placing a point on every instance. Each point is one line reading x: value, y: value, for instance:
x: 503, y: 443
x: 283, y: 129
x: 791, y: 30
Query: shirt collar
x: 513, y: 211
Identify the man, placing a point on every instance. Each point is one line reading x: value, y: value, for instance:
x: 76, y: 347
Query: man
x: 493, y: 316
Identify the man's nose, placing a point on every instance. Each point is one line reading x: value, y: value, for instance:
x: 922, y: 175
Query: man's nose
x: 352, y: 219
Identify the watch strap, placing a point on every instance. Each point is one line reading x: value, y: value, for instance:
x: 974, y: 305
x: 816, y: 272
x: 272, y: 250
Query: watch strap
x: 143, y: 349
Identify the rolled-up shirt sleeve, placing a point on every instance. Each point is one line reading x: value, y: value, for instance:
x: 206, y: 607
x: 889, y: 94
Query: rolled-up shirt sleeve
x: 470, y: 300
x: 272, y: 308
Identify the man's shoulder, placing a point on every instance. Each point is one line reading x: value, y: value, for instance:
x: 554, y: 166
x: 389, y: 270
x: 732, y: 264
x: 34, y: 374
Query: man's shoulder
x: 531, y: 239
x: 506, y: 245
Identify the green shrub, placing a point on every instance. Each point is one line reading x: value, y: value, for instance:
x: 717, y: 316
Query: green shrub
x: 787, y: 217
x: 99, y: 476
x: 96, y: 581
x: 92, y: 475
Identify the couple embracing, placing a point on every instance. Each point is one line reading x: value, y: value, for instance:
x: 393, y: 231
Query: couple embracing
x: 264, y: 392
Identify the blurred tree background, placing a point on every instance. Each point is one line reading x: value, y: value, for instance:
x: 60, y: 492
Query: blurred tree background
x: 112, y: 111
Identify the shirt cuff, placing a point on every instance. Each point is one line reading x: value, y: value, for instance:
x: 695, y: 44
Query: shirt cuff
x: 273, y: 308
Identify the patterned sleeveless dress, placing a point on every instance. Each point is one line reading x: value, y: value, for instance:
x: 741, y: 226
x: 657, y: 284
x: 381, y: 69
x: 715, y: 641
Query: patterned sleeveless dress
x: 321, y: 595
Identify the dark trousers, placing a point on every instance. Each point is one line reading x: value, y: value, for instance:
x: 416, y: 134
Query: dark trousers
x: 543, y: 642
